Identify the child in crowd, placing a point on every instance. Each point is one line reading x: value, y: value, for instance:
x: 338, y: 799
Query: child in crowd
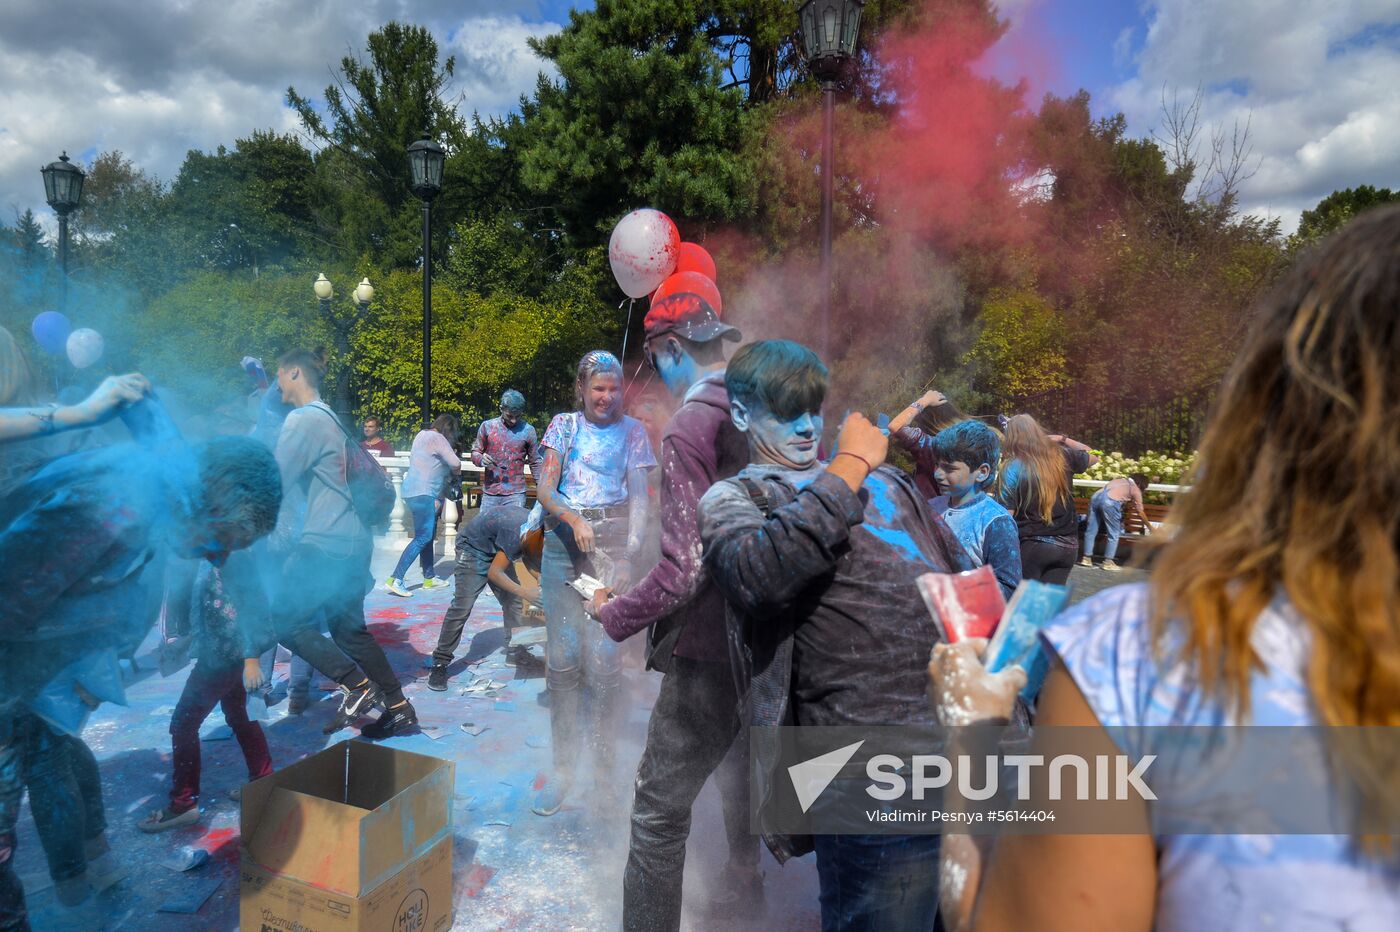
x: 232, y: 627
x: 914, y: 429
x: 1106, y: 508
x: 966, y: 457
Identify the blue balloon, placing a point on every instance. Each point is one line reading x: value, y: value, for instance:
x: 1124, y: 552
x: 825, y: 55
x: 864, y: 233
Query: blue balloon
x: 51, y: 330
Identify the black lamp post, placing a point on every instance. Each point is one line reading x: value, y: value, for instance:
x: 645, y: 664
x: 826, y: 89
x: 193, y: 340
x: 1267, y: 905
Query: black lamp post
x: 63, y: 189
x: 829, y: 29
x: 425, y: 162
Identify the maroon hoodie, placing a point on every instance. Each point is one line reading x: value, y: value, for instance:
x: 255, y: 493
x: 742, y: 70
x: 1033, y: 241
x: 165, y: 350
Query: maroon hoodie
x: 700, y: 447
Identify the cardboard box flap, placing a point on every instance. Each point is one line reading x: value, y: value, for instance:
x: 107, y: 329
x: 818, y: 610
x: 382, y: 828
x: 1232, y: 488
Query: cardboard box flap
x: 376, y: 774
x: 322, y: 775
x: 313, y: 839
x: 407, y: 826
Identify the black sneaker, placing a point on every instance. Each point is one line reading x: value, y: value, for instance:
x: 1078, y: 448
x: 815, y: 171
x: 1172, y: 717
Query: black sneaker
x: 353, y: 704
x: 437, y: 677
x: 400, y: 721
x: 519, y: 656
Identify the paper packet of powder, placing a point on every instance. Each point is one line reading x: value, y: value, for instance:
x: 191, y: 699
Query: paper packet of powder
x: 586, y: 585
x: 1017, y: 638
x: 963, y: 605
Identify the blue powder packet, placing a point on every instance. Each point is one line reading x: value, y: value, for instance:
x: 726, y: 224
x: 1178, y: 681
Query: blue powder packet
x: 1017, y: 638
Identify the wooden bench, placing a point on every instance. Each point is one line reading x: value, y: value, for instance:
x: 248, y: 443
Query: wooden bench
x: 1132, y: 527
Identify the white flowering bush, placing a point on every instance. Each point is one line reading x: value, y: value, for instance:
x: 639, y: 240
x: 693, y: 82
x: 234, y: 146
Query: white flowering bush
x: 1164, y: 468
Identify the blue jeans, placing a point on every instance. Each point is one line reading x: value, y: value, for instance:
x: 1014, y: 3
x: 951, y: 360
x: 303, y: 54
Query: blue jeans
x: 1110, y: 513
x: 423, y: 508
x: 579, y: 652
x: 495, y: 501
x: 877, y: 883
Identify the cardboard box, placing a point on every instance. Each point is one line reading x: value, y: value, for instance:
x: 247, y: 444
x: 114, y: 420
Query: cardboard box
x: 357, y: 838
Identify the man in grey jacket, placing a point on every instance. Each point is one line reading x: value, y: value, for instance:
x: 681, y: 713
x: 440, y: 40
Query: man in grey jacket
x: 326, y: 558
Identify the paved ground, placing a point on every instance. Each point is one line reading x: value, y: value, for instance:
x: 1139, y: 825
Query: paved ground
x: 514, y: 870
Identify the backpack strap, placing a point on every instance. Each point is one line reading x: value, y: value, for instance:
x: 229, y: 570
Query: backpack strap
x: 757, y: 495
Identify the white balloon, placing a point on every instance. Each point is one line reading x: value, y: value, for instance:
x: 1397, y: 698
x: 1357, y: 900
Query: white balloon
x: 85, y: 347
x: 643, y: 251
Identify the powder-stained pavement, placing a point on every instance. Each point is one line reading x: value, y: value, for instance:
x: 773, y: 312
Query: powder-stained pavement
x: 513, y: 869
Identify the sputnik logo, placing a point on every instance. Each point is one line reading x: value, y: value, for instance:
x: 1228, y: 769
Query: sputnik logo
x: 811, y: 777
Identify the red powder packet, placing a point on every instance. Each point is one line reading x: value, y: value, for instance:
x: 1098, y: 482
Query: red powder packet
x: 963, y: 605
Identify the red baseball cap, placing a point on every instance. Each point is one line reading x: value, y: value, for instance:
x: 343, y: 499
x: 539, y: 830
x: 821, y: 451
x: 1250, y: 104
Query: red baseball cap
x: 690, y: 316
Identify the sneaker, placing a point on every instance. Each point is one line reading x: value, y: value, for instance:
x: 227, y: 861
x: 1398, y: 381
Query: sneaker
x: 353, y: 704
x: 437, y: 678
x: 549, y: 800
x: 429, y: 582
x: 395, y: 586
x: 519, y: 656
x: 1111, y: 566
x: 163, y: 820
x: 402, y: 720
x: 296, y: 704
x: 1085, y: 561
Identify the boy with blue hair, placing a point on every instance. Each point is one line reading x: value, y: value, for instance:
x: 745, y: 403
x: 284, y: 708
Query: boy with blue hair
x: 967, y: 455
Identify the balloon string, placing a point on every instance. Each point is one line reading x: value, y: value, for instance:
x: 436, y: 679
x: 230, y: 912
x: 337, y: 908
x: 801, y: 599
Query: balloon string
x: 631, y: 302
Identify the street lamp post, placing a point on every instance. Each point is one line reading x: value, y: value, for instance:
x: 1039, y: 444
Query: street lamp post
x: 829, y: 29
x: 325, y: 294
x: 63, y: 189
x: 425, y: 162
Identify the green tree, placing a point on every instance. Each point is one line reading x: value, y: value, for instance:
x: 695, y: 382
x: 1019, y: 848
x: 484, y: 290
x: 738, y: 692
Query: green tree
x: 1020, y: 349
x: 28, y: 239
x: 373, y: 111
x: 1334, y: 210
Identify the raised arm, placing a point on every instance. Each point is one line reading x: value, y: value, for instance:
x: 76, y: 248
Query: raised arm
x: 911, y: 411
x: 760, y: 562
x: 115, y: 393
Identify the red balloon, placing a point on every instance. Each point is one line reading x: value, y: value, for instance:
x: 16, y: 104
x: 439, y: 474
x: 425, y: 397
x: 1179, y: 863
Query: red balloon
x: 689, y: 283
x: 694, y: 258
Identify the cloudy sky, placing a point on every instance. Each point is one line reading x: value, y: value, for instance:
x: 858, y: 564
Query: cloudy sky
x: 1319, y: 79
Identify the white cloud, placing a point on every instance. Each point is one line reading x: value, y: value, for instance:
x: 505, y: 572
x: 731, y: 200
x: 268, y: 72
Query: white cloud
x: 1319, y: 81
x: 155, y: 78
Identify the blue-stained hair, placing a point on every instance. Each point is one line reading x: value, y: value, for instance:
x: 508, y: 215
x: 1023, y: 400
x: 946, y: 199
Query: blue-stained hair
x: 970, y: 442
x: 785, y: 377
x: 512, y: 400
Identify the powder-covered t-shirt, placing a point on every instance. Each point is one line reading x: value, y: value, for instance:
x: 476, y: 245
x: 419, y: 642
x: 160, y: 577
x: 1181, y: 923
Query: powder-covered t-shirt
x: 510, y: 449
x: 988, y: 534
x: 495, y: 530
x: 1223, y: 881
x: 600, y: 457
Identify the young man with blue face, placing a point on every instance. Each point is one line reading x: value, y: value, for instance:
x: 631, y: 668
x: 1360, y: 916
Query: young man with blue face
x: 695, y: 720
x: 822, y: 588
x: 966, y: 457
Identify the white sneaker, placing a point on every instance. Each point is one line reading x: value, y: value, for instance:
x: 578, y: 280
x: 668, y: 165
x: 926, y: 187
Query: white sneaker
x: 396, y: 587
x: 1111, y: 566
x: 1085, y: 561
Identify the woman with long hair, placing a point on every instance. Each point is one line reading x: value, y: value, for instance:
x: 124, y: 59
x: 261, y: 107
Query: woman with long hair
x: 593, y: 490
x: 1037, y: 487
x: 431, y: 461
x: 1276, y: 602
